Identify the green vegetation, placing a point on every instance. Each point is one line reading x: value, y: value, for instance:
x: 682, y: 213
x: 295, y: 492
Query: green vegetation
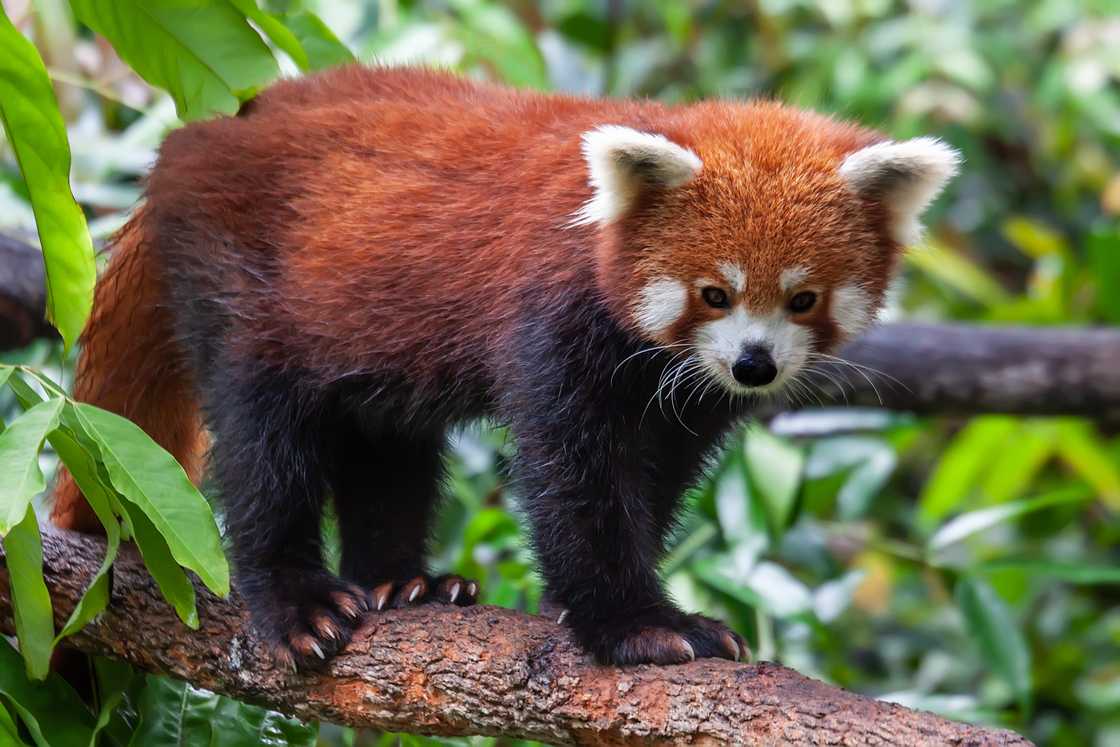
x: 963, y: 566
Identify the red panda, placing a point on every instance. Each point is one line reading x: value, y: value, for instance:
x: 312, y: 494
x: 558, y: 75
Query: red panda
x: 363, y: 258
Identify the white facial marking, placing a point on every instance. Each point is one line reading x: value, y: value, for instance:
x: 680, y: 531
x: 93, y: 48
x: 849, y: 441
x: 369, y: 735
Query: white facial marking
x: 851, y: 309
x: 906, y: 176
x: 620, y: 160
x: 734, y: 275
x: 661, y: 302
x: 721, y: 343
x: 793, y: 277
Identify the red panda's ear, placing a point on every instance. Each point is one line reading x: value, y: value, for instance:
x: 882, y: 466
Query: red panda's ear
x: 904, y: 176
x: 622, y: 161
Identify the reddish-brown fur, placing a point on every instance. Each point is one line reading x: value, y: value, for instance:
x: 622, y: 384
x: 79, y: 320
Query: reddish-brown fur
x: 129, y: 365
x: 367, y: 221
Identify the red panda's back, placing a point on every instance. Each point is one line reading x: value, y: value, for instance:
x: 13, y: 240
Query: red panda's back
x: 396, y: 210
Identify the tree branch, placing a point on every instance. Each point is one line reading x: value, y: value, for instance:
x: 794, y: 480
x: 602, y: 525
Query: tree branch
x: 923, y: 368
x: 965, y: 369
x: 481, y: 670
x: 23, y: 295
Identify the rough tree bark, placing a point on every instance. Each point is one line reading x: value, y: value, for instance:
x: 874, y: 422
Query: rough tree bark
x: 481, y: 670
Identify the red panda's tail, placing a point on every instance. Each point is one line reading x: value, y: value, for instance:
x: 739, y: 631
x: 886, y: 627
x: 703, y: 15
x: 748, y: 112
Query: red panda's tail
x: 130, y: 364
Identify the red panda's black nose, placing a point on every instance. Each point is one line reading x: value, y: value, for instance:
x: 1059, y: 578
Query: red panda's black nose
x: 755, y: 367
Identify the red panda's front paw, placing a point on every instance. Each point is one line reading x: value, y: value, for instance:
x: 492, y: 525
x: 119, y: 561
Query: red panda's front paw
x: 448, y: 589
x: 306, y: 630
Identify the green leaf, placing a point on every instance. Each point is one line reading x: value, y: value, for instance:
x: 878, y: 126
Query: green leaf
x: 494, y: 34
x: 176, y: 714
x: 1000, y: 641
x: 962, y: 465
x: 1080, y: 447
x: 958, y: 272
x: 19, y: 460
x: 150, y: 479
x: 9, y: 732
x: 774, y: 466
x: 323, y: 48
x: 202, y: 52
x: 113, y: 679
x: 83, y: 468
x: 52, y: 712
x: 31, y: 602
x: 307, y: 40
x: 37, y: 134
x: 1074, y: 572
x: 1014, y: 468
x: 1103, y: 248
x: 96, y: 596
x: 1034, y: 238
x: 173, y: 583
x: 275, y: 29
x: 742, y: 516
x: 870, y: 462
x: 5, y: 373
x: 975, y: 521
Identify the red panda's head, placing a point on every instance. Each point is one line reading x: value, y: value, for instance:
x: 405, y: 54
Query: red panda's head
x: 752, y: 236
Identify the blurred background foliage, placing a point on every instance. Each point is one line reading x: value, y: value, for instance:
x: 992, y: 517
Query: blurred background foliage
x: 969, y: 567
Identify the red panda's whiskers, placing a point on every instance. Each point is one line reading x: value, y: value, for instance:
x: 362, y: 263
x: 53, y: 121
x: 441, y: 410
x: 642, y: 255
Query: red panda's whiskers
x: 662, y: 382
x: 833, y: 377
x: 861, y: 368
x: 806, y: 389
x: 646, y: 351
x: 685, y: 365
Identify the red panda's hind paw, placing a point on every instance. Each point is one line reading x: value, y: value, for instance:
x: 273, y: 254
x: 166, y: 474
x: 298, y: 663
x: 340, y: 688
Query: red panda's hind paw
x: 448, y: 589
x: 712, y: 638
x: 676, y: 639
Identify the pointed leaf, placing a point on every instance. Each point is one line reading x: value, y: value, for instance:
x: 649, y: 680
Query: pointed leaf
x: 301, y: 34
x: 9, y: 732
x: 176, y: 588
x: 202, y: 52
x: 20, y: 443
x: 150, y: 479
x: 985, y: 518
x: 113, y: 678
x: 323, y: 48
x: 774, y: 466
x: 173, y: 714
x: 33, y: 123
x: 999, y: 639
x: 52, y: 712
x: 962, y: 465
x: 31, y: 602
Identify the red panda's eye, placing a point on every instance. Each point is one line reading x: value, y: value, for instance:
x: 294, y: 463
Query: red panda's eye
x: 802, y: 302
x: 716, y: 297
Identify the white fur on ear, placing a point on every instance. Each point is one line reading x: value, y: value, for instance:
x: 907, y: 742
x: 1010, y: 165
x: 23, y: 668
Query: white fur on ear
x: 621, y: 160
x: 906, y: 176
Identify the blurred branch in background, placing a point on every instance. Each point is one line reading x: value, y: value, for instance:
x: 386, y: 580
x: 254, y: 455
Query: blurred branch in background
x: 478, y: 670
x: 921, y: 368
x: 23, y: 295
x: 949, y: 369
